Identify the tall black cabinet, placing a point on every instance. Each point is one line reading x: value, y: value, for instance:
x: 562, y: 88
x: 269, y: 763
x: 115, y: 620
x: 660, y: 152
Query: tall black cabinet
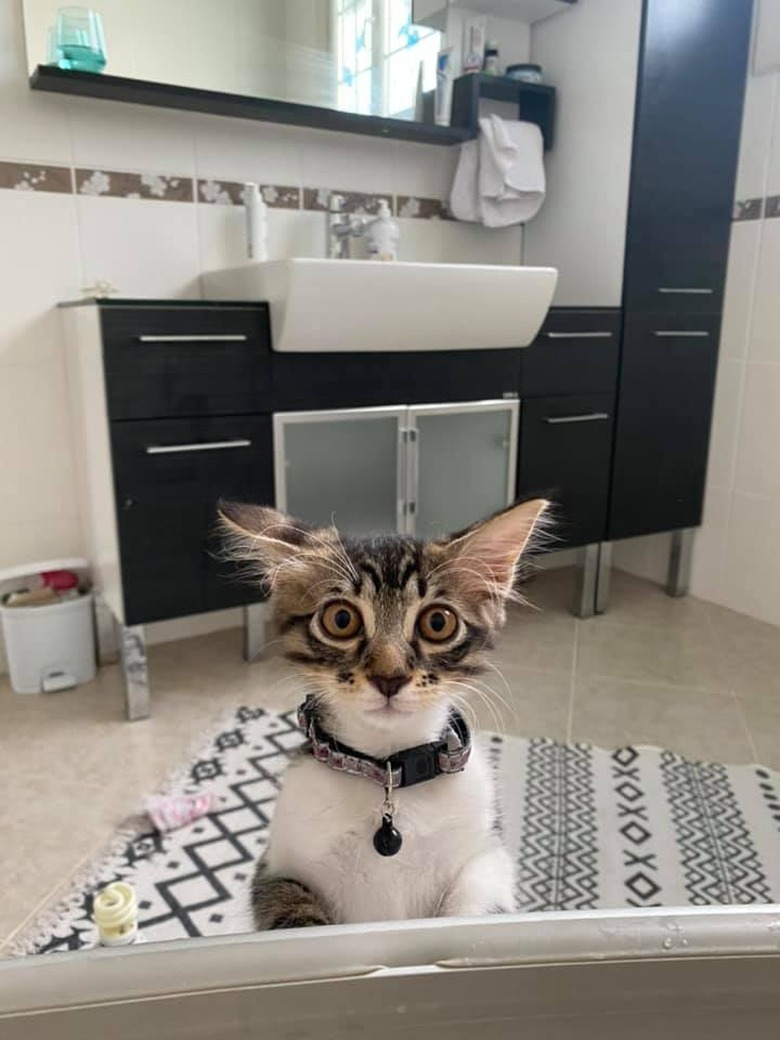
x: 691, y: 81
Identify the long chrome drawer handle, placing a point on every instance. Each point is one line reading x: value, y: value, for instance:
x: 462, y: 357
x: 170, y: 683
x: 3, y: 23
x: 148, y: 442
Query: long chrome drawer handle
x: 675, y: 333
x: 172, y: 449
x: 685, y: 291
x: 216, y: 338
x: 558, y: 420
x: 578, y: 335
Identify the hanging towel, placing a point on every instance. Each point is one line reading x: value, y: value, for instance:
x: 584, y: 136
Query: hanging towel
x: 500, y: 177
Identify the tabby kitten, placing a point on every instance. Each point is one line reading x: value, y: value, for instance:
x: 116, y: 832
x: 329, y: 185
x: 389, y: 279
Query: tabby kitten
x: 385, y: 631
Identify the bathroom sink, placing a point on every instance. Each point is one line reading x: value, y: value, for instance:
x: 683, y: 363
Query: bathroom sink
x: 360, y: 305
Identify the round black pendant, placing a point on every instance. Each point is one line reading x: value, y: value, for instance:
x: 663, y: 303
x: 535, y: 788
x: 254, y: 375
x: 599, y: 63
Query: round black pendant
x: 387, y: 840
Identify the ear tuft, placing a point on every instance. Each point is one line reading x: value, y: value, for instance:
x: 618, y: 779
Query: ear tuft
x: 262, y: 538
x: 490, y: 550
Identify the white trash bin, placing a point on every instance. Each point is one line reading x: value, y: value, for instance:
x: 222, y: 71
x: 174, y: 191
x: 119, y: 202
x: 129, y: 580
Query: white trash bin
x: 51, y: 647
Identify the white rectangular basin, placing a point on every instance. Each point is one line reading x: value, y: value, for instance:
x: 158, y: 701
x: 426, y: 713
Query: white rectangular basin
x: 361, y: 305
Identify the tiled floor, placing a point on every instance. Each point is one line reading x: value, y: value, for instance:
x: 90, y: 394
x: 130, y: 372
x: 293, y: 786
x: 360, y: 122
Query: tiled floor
x: 678, y: 673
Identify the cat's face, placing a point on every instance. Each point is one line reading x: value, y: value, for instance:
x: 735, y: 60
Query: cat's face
x: 386, y: 627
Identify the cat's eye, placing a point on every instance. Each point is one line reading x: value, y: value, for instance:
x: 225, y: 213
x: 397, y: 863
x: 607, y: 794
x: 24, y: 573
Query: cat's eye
x: 341, y: 620
x: 436, y: 624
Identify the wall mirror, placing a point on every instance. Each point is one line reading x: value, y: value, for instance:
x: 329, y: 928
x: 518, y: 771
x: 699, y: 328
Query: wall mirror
x: 320, y: 63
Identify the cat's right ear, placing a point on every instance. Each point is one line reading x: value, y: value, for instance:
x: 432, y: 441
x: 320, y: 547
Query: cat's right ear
x: 264, y: 538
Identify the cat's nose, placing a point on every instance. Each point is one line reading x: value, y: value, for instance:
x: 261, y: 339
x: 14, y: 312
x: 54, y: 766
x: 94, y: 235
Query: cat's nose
x: 389, y: 685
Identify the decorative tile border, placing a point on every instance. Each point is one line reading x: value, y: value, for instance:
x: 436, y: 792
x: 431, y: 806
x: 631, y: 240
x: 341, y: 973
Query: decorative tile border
x: 28, y: 176
x: 123, y: 184
x: 748, y: 209
x: 231, y: 193
x: 118, y: 184
x: 422, y: 208
x: 318, y: 199
x: 35, y: 177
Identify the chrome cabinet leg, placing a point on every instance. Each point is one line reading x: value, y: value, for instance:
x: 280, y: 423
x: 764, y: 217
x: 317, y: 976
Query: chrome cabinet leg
x: 593, y: 586
x: 255, y: 617
x: 105, y: 631
x: 585, y: 595
x: 678, y: 581
x: 135, y: 668
x: 603, y: 576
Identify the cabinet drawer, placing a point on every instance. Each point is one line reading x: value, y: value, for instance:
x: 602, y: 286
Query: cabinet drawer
x: 679, y: 267
x: 182, y: 361
x: 168, y: 477
x: 565, y: 453
x: 575, y: 352
x: 662, y: 434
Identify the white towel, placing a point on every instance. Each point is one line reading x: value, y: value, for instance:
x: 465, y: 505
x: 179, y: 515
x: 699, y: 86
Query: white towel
x: 500, y: 177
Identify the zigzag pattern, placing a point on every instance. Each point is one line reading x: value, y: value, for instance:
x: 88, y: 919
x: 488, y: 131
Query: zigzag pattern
x: 558, y: 845
x: 718, y: 857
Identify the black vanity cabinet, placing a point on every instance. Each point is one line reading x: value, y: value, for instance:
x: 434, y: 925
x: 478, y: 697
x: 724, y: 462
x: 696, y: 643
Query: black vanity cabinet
x: 686, y: 144
x: 568, y: 377
x: 174, y: 413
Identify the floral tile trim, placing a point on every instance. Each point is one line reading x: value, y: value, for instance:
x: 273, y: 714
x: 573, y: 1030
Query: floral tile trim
x: 121, y: 185
x: 35, y: 177
x: 231, y: 193
x: 354, y: 201
x: 748, y: 209
x: 425, y: 209
x: 772, y: 206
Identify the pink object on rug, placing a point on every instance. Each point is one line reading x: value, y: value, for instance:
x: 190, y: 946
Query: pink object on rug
x: 167, y: 812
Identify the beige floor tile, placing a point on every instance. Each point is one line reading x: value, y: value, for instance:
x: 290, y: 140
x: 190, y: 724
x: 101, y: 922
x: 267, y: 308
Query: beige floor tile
x: 762, y: 716
x: 700, y: 724
x: 649, y: 653
x: 537, y: 638
x: 751, y: 653
x: 635, y: 601
x: 525, y: 702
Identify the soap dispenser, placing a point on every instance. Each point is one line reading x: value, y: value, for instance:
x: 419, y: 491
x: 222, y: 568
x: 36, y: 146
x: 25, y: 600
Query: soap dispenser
x: 382, y: 235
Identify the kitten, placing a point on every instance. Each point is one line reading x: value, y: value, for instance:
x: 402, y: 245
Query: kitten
x: 386, y: 632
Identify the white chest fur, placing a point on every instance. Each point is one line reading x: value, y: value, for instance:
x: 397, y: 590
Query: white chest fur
x: 322, y: 835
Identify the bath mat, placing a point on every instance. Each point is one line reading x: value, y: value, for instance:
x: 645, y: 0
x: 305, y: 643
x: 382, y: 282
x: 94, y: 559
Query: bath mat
x: 588, y: 828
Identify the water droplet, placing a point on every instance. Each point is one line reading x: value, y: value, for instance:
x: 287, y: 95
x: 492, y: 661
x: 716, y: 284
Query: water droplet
x: 667, y: 944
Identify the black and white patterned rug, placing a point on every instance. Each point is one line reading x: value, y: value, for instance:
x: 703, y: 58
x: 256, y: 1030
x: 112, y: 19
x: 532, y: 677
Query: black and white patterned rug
x: 589, y: 828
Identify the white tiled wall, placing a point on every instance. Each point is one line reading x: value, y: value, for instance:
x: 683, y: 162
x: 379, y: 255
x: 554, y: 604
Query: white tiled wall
x: 737, y: 551
x: 53, y: 244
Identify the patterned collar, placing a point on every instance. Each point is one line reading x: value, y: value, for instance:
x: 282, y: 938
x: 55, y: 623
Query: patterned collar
x: 448, y: 754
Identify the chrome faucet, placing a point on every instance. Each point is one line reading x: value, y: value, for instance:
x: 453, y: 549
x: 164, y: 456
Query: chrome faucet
x: 342, y: 227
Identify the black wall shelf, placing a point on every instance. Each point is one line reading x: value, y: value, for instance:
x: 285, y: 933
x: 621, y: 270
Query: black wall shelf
x: 188, y: 99
x: 535, y: 102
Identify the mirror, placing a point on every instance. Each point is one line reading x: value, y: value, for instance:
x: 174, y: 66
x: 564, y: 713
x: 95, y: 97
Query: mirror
x: 358, y: 56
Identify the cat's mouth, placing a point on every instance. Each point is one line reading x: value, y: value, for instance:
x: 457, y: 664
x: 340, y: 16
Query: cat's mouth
x: 390, y: 707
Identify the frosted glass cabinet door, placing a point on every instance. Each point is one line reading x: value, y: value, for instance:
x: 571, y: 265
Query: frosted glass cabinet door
x: 465, y: 464
x: 341, y: 467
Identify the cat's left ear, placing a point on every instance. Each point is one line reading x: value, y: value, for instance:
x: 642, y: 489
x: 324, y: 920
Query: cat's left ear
x: 487, y: 553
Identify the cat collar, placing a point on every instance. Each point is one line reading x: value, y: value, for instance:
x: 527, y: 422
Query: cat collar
x: 448, y: 754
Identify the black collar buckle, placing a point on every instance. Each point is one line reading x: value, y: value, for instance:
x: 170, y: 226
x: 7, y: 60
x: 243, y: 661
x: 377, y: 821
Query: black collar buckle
x: 418, y: 763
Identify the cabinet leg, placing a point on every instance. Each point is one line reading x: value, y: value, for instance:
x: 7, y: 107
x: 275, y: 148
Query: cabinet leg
x: 592, y: 590
x: 105, y: 632
x: 255, y: 617
x: 135, y: 668
x: 603, y: 577
x: 680, y: 558
x: 585, y: 595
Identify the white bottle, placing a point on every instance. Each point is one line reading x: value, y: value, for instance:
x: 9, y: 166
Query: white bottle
x: 256, y: 213
x: 382, y: 235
